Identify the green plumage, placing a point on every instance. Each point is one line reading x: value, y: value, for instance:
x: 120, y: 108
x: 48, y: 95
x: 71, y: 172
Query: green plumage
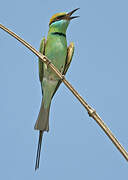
x: 55, y: 48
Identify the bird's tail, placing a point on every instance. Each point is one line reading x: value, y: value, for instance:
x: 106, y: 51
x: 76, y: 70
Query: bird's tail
x: 42, y: 124
x: 38, y: 150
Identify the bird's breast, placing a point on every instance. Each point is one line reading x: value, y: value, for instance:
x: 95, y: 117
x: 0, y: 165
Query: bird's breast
x: 56, y: 50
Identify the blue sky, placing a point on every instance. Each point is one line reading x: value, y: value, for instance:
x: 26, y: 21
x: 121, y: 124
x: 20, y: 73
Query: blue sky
x: 75, y: 147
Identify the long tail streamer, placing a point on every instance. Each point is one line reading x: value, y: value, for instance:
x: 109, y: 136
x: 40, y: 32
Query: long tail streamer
x: 38, y: 150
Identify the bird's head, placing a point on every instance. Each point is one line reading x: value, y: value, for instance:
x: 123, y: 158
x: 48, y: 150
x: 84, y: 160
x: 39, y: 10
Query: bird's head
x: 61, y: 20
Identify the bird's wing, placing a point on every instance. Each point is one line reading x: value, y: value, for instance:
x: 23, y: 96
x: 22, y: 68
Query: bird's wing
x: 42, y: 50
x: 70, y: 52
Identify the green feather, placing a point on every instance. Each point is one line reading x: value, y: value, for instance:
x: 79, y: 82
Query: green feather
x: 55, y: 48
x: 42, y: 50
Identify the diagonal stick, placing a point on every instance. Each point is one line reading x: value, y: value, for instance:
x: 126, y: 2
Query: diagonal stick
x: 92, y: 113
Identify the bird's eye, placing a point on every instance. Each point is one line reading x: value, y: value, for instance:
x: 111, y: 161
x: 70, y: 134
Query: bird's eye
x: 61, y: 16
x: 57, y: 19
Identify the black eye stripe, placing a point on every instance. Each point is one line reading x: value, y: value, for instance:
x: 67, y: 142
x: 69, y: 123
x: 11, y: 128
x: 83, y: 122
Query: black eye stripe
x: 57, y: 19
x: 60, y: 16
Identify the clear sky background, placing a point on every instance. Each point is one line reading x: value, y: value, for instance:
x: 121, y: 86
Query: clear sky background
x: 76, y: 147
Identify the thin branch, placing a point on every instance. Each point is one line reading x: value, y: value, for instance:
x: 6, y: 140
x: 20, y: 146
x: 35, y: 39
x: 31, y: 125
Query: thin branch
x: 92, y: 113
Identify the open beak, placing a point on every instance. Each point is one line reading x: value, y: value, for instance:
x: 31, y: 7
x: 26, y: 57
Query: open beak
x: 70, y: 13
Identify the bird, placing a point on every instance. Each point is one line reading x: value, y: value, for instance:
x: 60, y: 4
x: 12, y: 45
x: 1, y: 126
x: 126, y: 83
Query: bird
x: 54, y: 48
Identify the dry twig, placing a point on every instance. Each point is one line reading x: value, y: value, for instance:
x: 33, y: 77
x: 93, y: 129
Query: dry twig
x: 89, y: 109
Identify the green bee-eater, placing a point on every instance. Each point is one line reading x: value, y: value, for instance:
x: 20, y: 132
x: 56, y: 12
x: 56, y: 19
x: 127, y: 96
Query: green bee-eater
x: 55, y: 48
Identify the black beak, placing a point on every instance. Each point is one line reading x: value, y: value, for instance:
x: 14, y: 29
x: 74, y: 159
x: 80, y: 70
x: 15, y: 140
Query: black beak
x: 70, y: 13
